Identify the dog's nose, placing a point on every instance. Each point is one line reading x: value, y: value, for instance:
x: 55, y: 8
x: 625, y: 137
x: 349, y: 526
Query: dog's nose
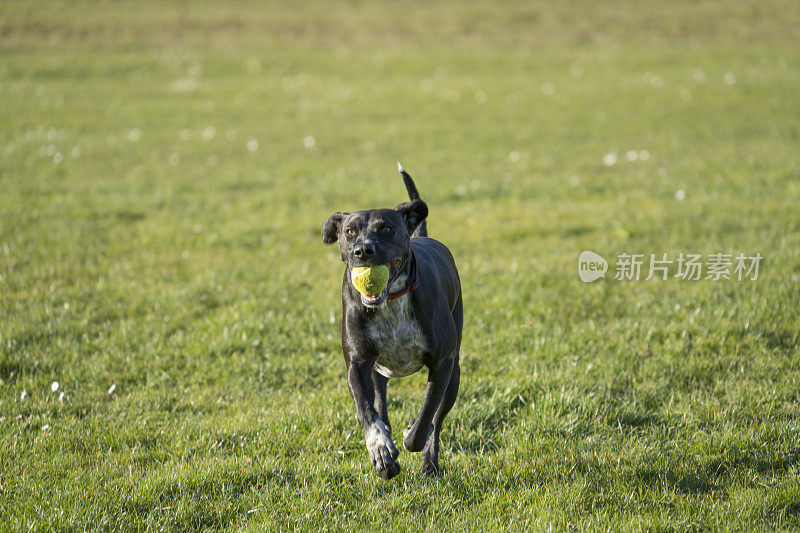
x: 364, y: 250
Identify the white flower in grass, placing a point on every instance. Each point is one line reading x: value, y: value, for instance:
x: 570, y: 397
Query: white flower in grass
x: 54, y: 386
x: 309, y: 142
x: 699, y: 76
x: 654, y: 80
x: 610, y: 159
x: 23, y: 395
x: 252, y: 145
x: 209, y: 132
x: 112, y: 388
x: 631, y: 155
x: 185, y: 85
x: 680, y: 195
x: 644, y: 155
x: 451, y: 95
x: 61, y: 397
x: 134, y: 135
x: 45, y: 427
x: 514, y: 156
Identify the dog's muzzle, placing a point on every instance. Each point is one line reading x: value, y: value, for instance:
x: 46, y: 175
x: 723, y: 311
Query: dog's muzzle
x: 379, y: 299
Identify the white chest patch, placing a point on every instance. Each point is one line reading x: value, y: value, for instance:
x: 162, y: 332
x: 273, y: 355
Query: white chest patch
x: 398, y: 336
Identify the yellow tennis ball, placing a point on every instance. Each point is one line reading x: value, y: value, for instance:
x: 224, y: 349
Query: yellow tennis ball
x: 370, y: 280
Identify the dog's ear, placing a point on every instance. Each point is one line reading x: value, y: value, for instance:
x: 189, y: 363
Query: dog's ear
x: 414, y: 212
x: 331, y: 227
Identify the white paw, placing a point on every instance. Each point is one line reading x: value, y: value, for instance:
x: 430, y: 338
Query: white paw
x: 382, y: 451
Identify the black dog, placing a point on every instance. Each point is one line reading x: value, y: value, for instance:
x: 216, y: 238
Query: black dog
x: 415, y: 321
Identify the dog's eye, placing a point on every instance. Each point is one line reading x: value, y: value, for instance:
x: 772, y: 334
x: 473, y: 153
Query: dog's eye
x: 386, y: 229
x: 351, y: 232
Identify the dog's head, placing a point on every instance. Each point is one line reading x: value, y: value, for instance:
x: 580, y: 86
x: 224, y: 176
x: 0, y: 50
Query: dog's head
x: 375, y: 237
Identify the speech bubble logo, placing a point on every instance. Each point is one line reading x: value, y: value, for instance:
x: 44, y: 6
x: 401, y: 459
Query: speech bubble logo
x: 591, y: 266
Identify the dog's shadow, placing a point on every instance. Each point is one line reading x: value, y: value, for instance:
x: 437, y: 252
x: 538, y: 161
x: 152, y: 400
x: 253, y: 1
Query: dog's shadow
x: 486, y: 413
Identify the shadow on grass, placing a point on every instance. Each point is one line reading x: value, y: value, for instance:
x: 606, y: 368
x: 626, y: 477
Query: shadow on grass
x: 489, y: 411
x: 712, y: 475
x: 15, y: 366
x: 783, y: 340
x: 192, y: 495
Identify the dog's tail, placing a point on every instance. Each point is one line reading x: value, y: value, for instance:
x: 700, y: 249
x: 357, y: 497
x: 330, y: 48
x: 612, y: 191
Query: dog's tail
x: 413, y: 194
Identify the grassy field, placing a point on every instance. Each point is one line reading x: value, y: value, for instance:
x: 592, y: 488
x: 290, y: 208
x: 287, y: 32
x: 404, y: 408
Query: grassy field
x: 169, y: 317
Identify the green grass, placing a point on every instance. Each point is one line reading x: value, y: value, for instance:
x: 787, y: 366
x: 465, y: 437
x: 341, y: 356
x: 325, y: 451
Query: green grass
x: 144, y: 245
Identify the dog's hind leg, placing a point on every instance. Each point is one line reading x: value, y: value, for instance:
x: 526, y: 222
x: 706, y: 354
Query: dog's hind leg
x: 430, y: 453
x: 416, y: 435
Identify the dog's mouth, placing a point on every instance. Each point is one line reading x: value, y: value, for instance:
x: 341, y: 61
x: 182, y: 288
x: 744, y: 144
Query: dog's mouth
x: 376, y: 300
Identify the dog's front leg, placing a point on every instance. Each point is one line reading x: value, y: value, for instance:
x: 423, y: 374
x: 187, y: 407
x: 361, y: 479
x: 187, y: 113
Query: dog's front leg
x: 416, y: 435
x: 378, y: 437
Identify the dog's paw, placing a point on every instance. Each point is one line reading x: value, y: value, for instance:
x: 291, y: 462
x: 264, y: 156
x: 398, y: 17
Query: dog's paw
x: 414, y: 438
x: 388, y: 473
x: 430, y: 457
x: 430, y: 469
x: 382, y: 451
